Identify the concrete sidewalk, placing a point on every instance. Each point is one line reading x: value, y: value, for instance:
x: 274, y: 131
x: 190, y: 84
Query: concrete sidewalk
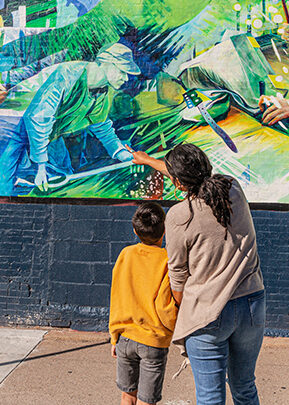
x: 15, y: 345
x: 75, y: 368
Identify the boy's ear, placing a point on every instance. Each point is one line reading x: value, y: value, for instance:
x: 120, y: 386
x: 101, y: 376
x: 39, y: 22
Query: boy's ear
x: 134, y: 231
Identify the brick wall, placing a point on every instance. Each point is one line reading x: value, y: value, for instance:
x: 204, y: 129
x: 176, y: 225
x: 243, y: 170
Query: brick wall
x: 56, y: 262
x: 272, y: 230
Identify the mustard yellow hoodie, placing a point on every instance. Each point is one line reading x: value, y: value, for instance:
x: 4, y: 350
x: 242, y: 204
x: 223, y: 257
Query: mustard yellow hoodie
x: 141, y: 305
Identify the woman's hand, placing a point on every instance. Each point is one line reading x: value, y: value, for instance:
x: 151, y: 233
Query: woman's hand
x: 139, y: 158
x: 142, y: 158
x: 274, y: 113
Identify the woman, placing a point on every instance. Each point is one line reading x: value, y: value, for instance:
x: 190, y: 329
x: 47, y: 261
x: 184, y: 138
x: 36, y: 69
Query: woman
x: 215, y: 276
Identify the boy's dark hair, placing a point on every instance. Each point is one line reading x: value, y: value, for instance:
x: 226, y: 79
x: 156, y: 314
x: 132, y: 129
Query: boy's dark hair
x: 149, y: 222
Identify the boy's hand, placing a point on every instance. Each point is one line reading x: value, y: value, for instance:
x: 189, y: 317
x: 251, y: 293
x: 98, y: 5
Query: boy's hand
x: 113, y: 351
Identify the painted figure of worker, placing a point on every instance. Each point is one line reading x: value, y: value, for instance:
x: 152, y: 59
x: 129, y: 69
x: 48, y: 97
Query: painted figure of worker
x: 279, y: 110
x: 68, y: 99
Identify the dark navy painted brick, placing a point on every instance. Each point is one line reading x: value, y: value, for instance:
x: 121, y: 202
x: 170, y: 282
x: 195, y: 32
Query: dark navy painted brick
x: 61, y: 212
x: 102, y: 230
x: 123, y: 213
x: 90, y: 212
x: 57, y: 293
x: 70, y: 272
x: 60, y: 250
x: 101, y: 273
x: 56, y: 263
x: 82, y: 230
x: 122, y: 231
x: 88, y: 295
x: 89, y: 252
x: 60, y: 323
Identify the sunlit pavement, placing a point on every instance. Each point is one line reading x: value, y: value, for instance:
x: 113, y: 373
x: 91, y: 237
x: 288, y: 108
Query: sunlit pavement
x: 67, y: 367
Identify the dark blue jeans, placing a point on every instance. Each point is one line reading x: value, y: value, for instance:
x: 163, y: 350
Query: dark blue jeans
x: 229, y: 344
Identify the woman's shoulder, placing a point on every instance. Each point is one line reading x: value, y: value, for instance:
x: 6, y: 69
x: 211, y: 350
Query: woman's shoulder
x: 236, y: 186
x: 237, y: 196
x: 178, y: 214
x: 233, y: 180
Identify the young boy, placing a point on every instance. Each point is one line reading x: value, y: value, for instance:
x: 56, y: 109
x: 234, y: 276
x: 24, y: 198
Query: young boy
x: 142, y: 310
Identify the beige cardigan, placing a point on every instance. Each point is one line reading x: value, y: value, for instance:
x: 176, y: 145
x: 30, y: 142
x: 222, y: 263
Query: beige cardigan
x: 207, y: 268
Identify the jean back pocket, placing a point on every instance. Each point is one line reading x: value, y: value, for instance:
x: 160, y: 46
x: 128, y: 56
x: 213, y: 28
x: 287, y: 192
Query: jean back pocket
x: 257, y: 307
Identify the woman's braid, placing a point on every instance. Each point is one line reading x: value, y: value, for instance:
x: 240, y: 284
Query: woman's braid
x: 191, y: 166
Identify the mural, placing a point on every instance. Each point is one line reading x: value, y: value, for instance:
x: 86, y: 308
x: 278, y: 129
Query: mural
x: 80, y: 79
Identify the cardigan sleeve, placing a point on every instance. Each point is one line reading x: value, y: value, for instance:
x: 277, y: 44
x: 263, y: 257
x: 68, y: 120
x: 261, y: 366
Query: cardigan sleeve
x: 177, y: 253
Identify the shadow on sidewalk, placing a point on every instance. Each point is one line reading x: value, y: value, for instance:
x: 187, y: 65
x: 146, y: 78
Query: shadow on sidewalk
x: 55, y: 353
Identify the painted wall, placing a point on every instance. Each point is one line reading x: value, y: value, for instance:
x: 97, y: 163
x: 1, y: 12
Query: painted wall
x: 81, y: 78
x: 56, y: 263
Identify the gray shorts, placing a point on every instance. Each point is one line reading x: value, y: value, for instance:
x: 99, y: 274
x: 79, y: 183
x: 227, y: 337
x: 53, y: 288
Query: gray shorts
x: 141, y: 368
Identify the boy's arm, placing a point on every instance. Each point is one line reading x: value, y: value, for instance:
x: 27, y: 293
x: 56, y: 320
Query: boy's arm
x: 113, y: 336
x: 114, y: 314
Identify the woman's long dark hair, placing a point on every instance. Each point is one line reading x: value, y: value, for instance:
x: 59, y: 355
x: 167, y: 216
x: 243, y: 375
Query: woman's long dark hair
x: 191, y: 166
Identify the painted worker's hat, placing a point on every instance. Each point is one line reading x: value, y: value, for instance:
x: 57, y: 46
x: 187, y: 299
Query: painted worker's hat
x: 121, y: 56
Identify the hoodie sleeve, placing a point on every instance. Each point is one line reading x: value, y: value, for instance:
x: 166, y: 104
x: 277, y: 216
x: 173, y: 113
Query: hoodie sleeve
x: 114, y: 315
x: 165, y: 305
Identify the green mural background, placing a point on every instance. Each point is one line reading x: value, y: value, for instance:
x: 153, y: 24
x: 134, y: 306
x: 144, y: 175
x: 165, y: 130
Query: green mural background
x: 82, y: 78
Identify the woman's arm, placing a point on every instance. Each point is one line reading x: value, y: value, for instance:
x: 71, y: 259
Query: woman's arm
x: 176, y: 246
x: 142, y: 158
x: 178, y: 296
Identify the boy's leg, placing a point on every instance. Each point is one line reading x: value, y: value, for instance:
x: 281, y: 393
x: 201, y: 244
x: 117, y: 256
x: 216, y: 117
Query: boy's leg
x: 131, y: 399
x: 128, y: 398
x: 127, y: 370
x: 139, y: 402
x: 152, y: 372
x: 244, y: 348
